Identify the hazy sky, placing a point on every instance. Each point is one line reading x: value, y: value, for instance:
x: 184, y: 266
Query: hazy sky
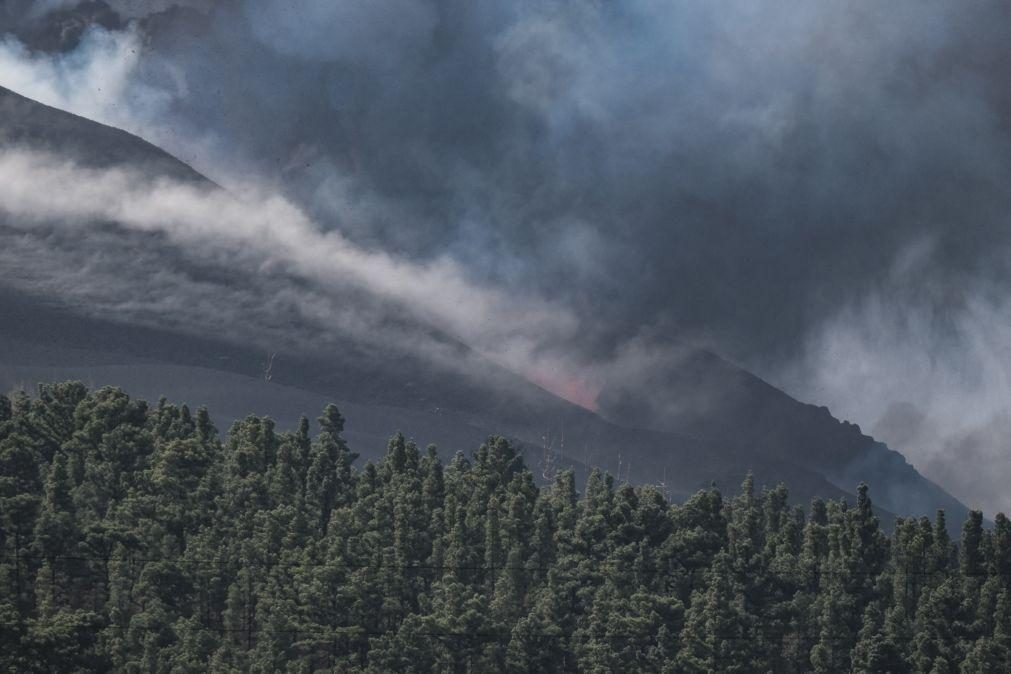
x: 819, y: 190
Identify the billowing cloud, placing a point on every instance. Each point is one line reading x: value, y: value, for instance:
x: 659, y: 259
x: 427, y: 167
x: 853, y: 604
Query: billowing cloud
x: 748, y: 175
x: 926, y: 367
x: 92, y: 81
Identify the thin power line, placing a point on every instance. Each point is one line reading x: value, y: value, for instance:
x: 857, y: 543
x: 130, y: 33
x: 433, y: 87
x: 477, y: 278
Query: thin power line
x: 466, y: 567
x: 348, y: 632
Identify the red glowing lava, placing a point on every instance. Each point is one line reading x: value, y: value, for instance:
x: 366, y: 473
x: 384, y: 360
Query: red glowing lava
x: 578, y: 390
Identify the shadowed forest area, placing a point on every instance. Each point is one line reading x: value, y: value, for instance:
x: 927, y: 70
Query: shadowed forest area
x: 135, y: 537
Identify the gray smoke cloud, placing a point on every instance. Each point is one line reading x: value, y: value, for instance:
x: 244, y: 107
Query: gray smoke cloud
x: 818, y: 190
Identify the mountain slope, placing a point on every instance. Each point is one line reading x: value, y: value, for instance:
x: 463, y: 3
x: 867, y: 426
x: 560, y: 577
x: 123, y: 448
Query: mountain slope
x: 750, y: 417
x: 26, y: 123
x: 46, y: 343
x: 754, y: 427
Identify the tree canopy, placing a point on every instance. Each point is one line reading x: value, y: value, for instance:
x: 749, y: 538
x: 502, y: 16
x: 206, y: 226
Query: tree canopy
x: 136, y: 538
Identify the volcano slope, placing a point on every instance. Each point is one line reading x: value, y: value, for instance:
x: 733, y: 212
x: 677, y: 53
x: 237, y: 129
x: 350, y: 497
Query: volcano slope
x: 254, y: 350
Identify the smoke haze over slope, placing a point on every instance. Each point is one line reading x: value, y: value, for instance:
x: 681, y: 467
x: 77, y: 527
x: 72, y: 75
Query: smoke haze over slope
x: 819, y: 190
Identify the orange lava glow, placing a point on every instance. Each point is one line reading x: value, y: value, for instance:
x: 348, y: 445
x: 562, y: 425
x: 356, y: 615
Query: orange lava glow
x: 577, y: 390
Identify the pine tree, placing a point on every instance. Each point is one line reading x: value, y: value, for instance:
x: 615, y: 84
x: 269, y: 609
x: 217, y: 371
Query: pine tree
x: 330, y: 480
x: 1001, y: 566
x: 970, y: 554
x: 935, y: 641
x: 875, y: 653
x: 717, y: 630
x: 20, y: 486
x: 540, y: 642
x: 835, y: 608
x: 56, y: 536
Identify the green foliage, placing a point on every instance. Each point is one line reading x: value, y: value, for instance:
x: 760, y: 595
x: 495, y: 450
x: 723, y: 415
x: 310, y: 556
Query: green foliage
x: 134, y: 539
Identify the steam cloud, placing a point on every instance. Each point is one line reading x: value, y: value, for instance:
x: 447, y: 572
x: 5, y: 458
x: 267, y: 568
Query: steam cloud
x: 268, y: 233
x: 818, y: 190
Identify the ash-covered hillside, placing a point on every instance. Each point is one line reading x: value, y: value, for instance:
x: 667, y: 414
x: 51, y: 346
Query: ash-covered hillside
x: 256, y: 350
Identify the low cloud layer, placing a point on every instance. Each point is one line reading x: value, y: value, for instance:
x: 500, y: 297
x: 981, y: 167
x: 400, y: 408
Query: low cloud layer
x: 269, y: 235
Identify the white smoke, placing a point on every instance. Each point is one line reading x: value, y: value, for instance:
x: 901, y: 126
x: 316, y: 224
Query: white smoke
x: 91, y: 81
x: 924, y: 366
x: 39, y: 191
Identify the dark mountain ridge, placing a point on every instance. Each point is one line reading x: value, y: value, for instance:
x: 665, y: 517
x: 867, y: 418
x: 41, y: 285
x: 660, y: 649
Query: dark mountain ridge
x: 748, y: 416
x: 27, y: 123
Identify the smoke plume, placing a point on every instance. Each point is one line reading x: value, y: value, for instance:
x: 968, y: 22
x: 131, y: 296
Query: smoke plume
x: 817, y: 190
